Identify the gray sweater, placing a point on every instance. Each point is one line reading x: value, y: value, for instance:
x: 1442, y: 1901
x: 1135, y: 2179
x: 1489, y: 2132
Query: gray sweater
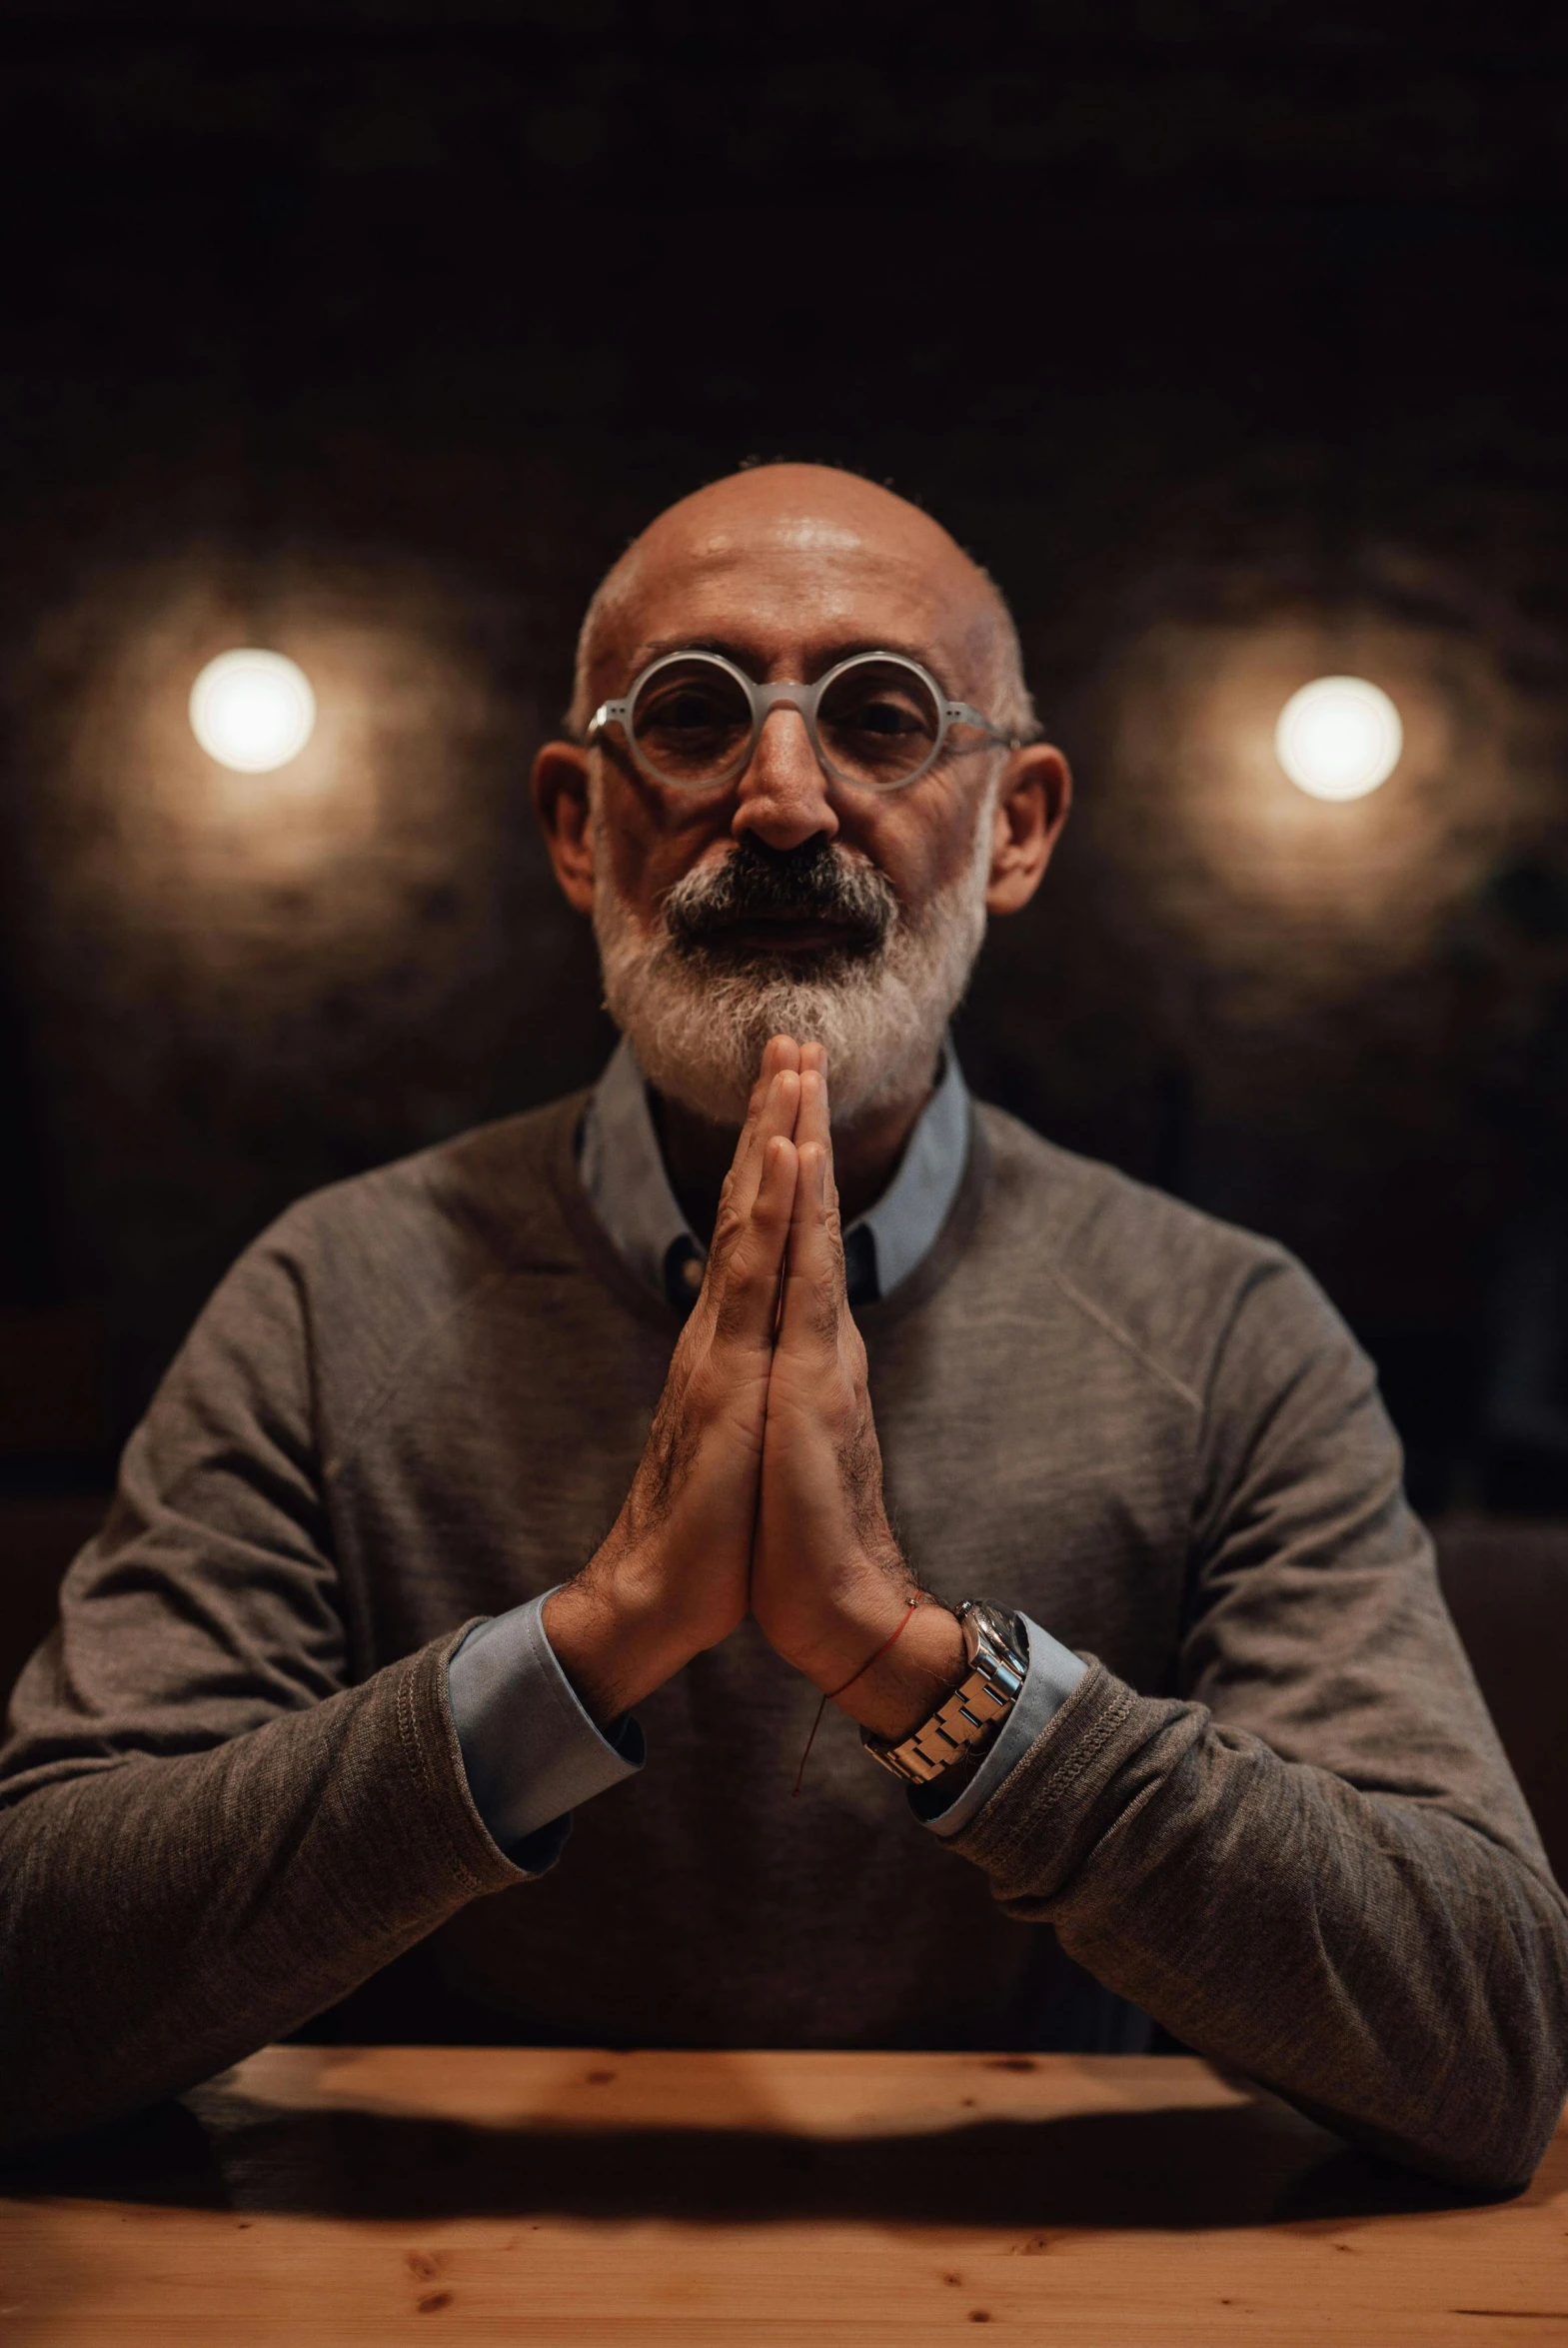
x: 1273, y: 1814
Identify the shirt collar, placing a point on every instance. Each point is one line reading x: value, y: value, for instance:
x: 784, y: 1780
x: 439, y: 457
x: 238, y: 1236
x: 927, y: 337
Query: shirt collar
x: 623, y: 1174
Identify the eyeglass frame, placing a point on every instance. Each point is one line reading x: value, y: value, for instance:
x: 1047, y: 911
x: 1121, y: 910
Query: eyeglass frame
x: 784, y: 694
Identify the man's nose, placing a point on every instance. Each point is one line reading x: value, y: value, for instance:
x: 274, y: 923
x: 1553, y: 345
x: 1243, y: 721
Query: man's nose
x: 782, y: 793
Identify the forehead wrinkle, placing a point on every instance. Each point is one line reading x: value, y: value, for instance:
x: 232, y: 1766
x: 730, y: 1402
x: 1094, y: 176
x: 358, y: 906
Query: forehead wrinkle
x: 883, y: 597
x: 824, y: 555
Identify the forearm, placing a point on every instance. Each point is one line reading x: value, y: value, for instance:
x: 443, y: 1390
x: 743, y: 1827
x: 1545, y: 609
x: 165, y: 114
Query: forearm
x: 166, y: 1916
x: 1372, y: 1957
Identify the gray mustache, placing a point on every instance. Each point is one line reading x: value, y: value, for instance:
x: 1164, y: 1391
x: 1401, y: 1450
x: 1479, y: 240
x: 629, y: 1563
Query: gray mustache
x: 816, y: 882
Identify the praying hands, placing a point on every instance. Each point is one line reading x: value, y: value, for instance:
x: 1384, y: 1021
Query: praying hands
x: 760, y: 1484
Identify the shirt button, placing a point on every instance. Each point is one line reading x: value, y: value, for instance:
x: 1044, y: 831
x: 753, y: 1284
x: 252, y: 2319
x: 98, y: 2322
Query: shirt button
x: 691, y: 1271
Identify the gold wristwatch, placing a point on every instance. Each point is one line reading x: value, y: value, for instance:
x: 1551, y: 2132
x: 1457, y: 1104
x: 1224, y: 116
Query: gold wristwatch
x: 964, y: 1725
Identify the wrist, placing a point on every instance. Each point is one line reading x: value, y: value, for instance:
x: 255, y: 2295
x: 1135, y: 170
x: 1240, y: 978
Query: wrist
x: 959, y: 1729
x: 889, y: 1692
x: 616, y: 1635
x: 903, y: 1686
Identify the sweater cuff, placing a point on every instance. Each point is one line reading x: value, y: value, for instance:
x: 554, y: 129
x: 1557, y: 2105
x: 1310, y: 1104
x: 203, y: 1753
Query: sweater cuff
x: 429, y: 1747
x: 1060, y: 1797
x: 529, y: 1751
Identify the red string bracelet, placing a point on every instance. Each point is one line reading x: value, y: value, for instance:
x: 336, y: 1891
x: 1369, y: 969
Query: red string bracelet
x: 834, y: 1693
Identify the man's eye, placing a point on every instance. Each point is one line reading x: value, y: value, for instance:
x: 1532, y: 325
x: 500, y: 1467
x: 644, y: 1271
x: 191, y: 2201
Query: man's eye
x: 686, y: 712
x: 882, y: 716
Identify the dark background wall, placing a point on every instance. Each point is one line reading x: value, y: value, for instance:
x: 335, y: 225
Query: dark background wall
x: 1232, y: 336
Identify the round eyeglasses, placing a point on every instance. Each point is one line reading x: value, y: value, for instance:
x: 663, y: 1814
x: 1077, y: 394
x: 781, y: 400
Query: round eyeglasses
x: 878, y: 721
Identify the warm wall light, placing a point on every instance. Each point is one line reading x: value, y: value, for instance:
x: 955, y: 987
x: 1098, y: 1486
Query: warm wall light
x: 252, y: 710
x: 1339, y: 738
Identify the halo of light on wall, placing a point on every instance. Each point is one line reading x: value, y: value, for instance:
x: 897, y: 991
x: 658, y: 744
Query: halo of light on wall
x: 1339, y: 738
x: 253, y: 710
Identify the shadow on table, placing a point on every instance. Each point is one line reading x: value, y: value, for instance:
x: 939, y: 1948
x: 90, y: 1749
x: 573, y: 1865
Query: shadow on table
x: 1240, y: 2165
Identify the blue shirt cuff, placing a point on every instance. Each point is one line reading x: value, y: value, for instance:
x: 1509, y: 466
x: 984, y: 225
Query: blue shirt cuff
x: 1053, y: 1673
x: 531, y: 1752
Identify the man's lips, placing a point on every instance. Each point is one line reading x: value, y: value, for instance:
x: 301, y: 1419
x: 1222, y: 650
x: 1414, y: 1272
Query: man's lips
x: 760, y: 933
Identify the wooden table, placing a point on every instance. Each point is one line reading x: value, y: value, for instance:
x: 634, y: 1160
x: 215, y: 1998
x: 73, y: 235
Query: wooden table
x: 400, y: 2194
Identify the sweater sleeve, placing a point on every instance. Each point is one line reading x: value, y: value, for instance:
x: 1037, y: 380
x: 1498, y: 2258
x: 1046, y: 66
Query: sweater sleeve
x: 1311, y: 1861
x: 206, y: 1834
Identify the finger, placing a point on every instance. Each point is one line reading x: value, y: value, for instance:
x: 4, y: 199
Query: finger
x: 780, y: 1054
x: 767, y: 1070
x: 747, y: 1298
x: 813, y: 1272
x: 774, y: 1118
x: 812, y: 1125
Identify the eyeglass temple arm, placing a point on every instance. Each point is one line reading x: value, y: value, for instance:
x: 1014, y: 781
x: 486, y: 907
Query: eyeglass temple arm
x: 961, y: 712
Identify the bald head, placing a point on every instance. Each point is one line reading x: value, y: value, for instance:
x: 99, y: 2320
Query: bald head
x: 802, y: 554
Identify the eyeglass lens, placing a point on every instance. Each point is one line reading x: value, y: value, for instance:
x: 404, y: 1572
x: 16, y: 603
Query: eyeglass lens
x: 878, y: 723
x: 691, y: 722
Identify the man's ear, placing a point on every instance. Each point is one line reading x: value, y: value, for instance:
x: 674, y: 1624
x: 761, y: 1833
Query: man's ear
x: 560, y: 790
x: 1036, y: 793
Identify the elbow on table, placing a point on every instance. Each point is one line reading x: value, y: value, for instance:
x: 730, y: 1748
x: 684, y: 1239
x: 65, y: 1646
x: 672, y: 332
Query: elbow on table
x: 44, y: 2121
x: 1487, y: 2170
x: 1515, y: 2105
x: 1501, y: 2155
x: 54, y: 2094
x: 1486, y: 2134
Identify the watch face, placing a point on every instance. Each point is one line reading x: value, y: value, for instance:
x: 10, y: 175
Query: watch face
x: 1000, y: 1629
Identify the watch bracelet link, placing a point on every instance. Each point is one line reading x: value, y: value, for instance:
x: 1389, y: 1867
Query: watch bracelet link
x: 964, y: 1722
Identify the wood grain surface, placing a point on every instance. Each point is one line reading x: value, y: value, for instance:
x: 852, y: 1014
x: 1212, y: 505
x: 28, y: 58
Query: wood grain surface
x: 410, y: 2194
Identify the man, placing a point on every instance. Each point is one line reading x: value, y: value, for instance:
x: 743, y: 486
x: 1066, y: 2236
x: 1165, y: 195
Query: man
x: 482, y: 1466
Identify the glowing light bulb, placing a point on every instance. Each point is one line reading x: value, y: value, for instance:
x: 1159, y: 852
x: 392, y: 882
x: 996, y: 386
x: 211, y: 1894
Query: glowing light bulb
x: 1339, y: 738
x: 252, y: 710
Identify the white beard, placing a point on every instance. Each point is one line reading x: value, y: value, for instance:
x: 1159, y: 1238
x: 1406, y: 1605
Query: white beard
x: 699, y: 1032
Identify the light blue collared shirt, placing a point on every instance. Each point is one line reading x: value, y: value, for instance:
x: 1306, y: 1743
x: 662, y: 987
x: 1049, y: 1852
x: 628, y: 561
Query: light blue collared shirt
x: 623, y: 1174
x: 530, y: 1750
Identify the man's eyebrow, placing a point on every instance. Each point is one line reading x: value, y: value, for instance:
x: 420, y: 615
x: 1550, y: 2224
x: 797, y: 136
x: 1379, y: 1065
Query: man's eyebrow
x: 655, y: 649
x: 848, y: 650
